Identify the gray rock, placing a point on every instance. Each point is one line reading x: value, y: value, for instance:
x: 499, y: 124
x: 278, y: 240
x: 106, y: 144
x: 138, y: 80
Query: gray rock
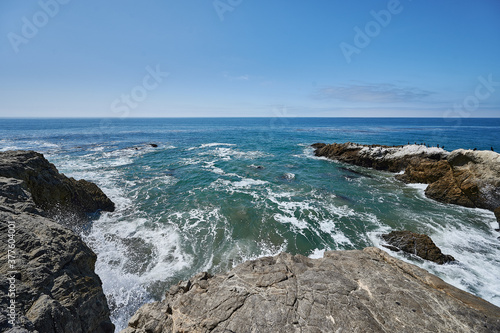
x: 57, y: 289
x: 51, y: 272
x: 52, y: 192
x: 346, y: 291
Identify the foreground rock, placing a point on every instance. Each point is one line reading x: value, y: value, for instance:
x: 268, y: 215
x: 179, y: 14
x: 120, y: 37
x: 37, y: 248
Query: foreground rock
x: 50, y: 275
x: 418, y: 244
x: 53, y: 192
x: 463, y: 177
x: 346, y: 291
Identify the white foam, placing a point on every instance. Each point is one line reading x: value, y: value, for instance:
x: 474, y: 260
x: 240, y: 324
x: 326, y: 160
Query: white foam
x: 317, y: 254
x: 248, y: 182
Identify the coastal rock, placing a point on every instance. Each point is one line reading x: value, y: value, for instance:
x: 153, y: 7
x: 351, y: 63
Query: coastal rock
x: 477, y: 174
x: 53, y: 192
x: 345, y: 291
x: 393, y: 159
x: 45, y: 267
x: 56, y: 289
x: 463, y: 177
x: 417, y: 244
x: 15, y: 198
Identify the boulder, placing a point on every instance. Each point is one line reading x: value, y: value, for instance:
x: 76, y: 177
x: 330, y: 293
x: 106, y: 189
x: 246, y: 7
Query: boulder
x: 52, y: 192
x: 345, y: 291
x: 418, y: 244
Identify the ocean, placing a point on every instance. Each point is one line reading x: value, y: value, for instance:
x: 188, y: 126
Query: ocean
x: 204, y: 194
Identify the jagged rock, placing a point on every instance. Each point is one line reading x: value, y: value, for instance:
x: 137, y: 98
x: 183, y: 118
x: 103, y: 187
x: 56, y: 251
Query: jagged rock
x: 378, y: 157
x: 346, y: 291
x: 53, y: 192
x: 56, y: 287
x: 424, y: 171
x: 463, y: 177
x: 477, y: 174
x: 15, y: 198
x: 51, y: 270
x: 417, y: 244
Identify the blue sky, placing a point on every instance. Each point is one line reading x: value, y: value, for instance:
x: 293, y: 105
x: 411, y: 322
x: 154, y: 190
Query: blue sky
x: 242, y: 58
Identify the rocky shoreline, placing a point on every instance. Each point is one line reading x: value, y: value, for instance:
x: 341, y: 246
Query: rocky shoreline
x: 467, y: 178
x: 56, y: 289
x: 47, y: 277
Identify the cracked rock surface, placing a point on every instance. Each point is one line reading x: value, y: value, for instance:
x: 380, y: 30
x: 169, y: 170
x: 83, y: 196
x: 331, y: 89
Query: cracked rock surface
x: 345, y: 291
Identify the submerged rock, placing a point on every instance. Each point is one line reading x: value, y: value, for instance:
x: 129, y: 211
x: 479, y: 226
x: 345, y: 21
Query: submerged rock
x: 52, y: 191
x: 345, y: 291
x: 418, y: 244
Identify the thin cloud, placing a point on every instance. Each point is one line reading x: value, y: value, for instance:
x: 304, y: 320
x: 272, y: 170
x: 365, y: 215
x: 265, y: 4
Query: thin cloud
x: 375, y: 93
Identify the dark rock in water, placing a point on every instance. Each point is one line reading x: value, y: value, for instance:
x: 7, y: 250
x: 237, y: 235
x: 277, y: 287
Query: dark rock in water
x: 258, y: 167
x: 346, y: 291
x: 53, y: 192
x: 154, y: 145
x: 51, y: 272
x: 318, y: 145
x: 417, y: 244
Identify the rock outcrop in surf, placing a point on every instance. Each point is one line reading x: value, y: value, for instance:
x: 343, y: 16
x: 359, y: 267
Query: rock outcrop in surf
x: 47, y: 272
x: 420, y: 245
x: 463, y: 177
x: 345, y: 291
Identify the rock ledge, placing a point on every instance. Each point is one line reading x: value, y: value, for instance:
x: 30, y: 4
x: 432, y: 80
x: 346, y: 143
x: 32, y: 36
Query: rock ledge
x: 345, y: 291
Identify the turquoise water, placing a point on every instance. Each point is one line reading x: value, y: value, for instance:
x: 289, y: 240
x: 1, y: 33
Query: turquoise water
x: 218, y: 191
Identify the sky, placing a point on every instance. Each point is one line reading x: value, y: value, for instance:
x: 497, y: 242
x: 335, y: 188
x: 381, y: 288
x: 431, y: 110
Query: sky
x: 242, y: 58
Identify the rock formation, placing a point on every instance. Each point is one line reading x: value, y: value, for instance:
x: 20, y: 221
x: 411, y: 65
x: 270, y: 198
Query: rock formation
x: 51, y: 270
x: 345, y: 291
x: 379, y: 157
x: 463, y: 177
x: 417, y: 244
x: 52, y: 192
